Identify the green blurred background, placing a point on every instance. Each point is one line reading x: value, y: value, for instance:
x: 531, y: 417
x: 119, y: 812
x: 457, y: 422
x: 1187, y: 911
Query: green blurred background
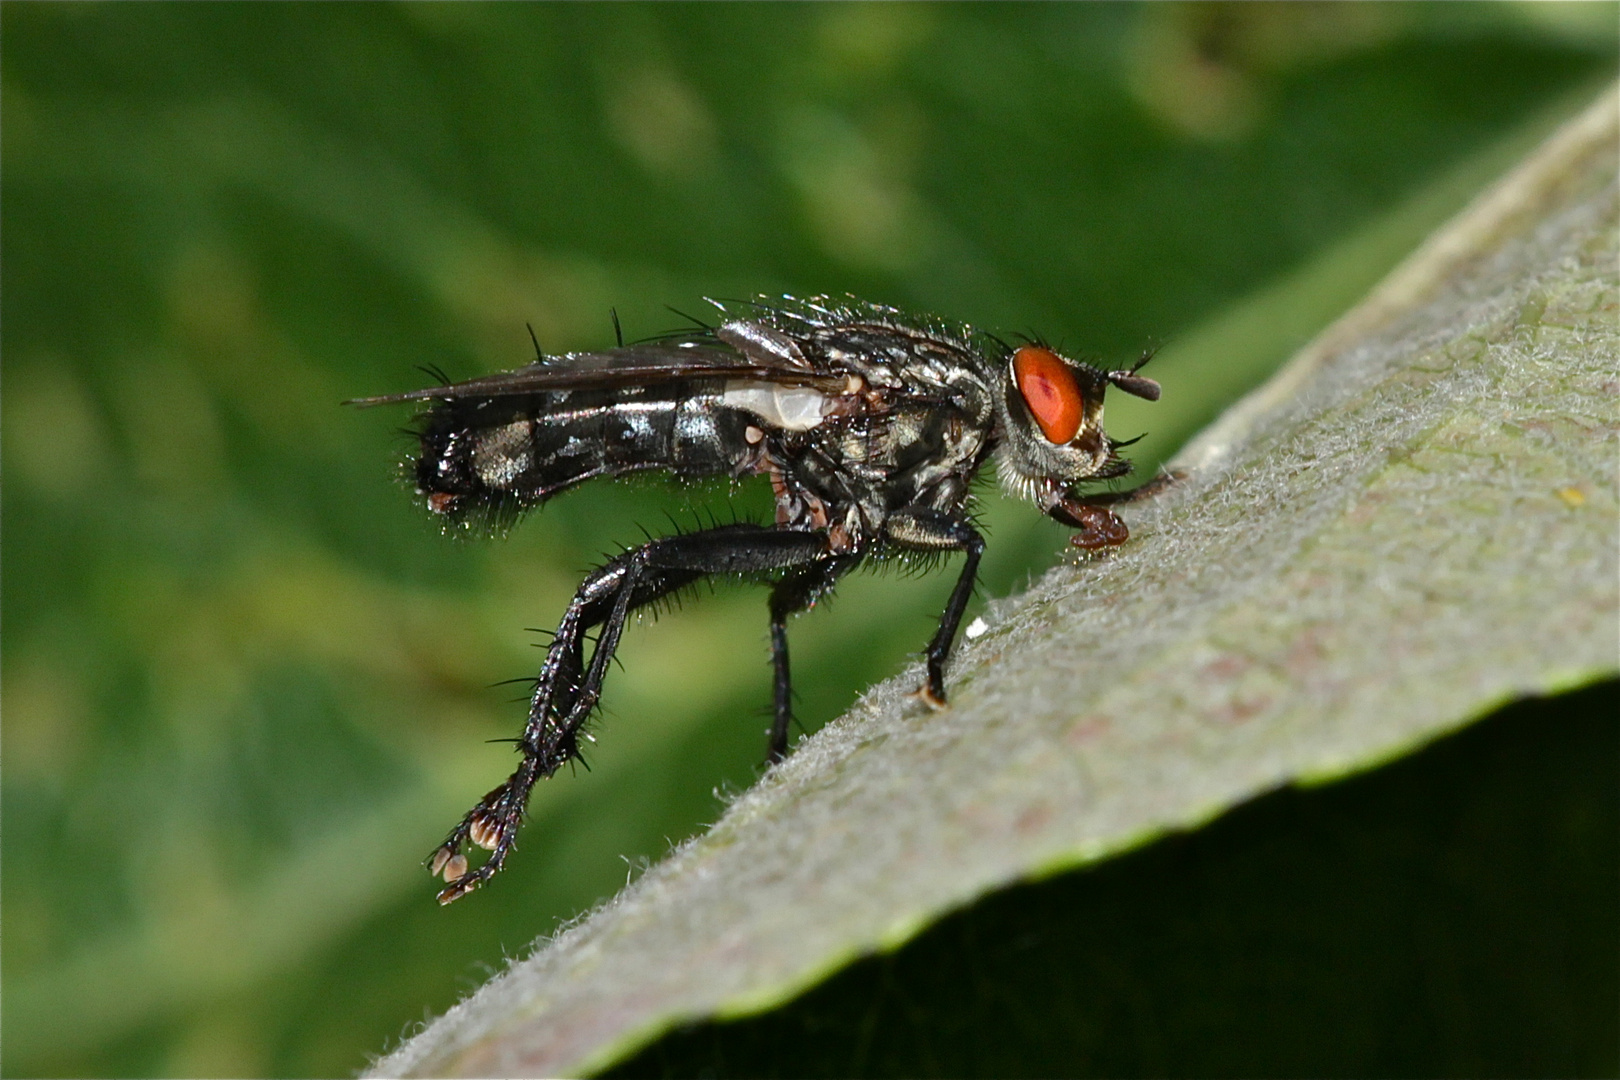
x: 248, y: 685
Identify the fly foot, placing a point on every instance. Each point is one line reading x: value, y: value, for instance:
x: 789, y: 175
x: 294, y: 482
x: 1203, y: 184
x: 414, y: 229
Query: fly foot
x: 464, y: 884
x: 1099, y: 527
x: 447, y: 859
x: 491, y: 825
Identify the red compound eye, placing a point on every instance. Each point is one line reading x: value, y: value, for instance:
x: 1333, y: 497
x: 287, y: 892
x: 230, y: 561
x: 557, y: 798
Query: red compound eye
x: 1050, y: 391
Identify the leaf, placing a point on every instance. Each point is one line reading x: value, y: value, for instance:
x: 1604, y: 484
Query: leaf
x: 1449, y: 914
x: 1413, y: 522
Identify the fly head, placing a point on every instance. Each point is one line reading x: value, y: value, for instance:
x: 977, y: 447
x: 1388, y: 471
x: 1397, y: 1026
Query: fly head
x: 1052, y: 419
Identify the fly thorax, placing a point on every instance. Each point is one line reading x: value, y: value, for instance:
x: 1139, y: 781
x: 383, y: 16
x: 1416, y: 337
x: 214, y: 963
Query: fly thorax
x: 848, y: 533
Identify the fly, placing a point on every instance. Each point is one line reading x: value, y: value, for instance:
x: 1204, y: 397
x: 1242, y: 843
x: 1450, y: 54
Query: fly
x: 870, y: 424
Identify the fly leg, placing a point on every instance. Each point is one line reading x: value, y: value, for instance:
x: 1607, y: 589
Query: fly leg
x: 568, y: 688
x: 798, y: 591
x: 1098, y: 526
x: 563, y: 695
x: 934, y: 530
x: 1147, y: 489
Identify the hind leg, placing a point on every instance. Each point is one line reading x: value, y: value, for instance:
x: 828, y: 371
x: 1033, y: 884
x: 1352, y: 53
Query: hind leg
x: 568, y: 687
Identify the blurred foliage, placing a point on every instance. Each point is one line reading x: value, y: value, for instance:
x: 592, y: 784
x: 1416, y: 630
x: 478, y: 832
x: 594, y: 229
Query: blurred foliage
x: 247, y: 687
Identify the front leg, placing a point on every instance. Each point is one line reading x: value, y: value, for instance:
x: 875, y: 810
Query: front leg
x: 935, y: 530
x: 568, y: 688
x: 1099, y: 527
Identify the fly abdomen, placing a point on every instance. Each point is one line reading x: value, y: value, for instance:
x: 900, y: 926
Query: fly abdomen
x: 513, y: 453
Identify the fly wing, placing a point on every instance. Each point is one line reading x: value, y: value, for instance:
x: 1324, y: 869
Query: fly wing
x: 630, y: 365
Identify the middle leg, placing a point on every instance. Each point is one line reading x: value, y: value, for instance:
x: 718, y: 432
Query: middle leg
x: 797, y: 591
